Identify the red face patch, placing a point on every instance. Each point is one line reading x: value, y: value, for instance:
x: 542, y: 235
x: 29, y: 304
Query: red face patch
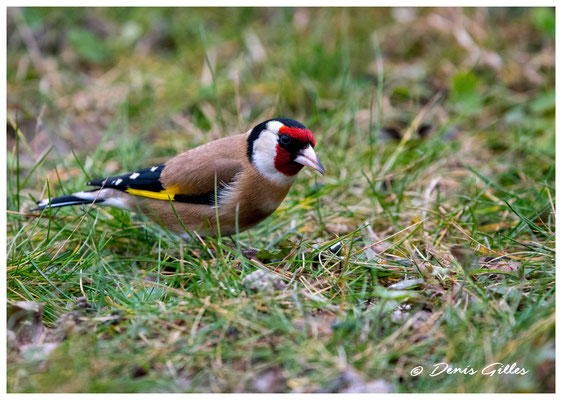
x: 284, y: 164
x: 302, y: 135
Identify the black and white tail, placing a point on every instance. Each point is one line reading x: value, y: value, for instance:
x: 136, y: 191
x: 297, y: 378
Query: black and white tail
x: 69, y: 200
x: 106, y: 197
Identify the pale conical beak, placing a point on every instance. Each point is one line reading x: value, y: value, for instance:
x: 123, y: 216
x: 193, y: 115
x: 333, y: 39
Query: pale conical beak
x: 308, y: 158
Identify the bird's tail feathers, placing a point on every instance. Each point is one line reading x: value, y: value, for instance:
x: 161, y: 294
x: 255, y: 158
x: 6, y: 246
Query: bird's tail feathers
x: 87, y: 197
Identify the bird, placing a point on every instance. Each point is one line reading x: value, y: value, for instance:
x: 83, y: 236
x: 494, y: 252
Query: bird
x: 222, y: 187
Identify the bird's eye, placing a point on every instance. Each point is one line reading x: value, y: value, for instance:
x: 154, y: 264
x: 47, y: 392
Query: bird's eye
x: 285, y: 139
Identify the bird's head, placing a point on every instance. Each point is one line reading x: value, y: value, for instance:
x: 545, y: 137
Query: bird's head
x: 280, y: 147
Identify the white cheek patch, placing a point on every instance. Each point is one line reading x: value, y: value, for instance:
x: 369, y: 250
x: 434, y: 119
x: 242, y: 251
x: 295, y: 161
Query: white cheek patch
x: 264, y: 157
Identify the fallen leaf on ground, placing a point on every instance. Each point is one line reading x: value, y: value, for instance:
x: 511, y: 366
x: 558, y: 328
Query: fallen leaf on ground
x: 499, y: 264
x: 25, y: 319
x: 405, y: 284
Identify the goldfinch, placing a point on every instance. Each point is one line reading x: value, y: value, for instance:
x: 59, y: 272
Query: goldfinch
x: 239, y: 179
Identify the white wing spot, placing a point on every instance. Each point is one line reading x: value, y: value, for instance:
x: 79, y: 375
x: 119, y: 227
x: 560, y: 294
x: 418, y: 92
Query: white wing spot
x: 134, y: 176
x: 153, y: 169
x: 118, y: 181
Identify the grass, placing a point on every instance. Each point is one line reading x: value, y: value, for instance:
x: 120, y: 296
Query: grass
x: 430, y: 239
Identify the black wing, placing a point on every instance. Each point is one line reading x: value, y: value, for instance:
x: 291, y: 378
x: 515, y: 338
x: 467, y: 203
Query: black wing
x: 143, y: 179
x: 146, y: 183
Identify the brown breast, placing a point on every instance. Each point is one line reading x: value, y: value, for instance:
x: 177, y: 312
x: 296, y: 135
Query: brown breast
x: 251, y: 196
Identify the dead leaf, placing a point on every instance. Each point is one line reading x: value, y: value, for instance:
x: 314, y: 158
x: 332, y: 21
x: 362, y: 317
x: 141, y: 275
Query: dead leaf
x: 25, y: 319
x: 28, y: 336
x: 499, y: 264
x: 406, y: 284
x: 497, y: 226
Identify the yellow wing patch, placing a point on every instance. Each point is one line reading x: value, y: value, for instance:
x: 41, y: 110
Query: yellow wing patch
x: 166, y: 194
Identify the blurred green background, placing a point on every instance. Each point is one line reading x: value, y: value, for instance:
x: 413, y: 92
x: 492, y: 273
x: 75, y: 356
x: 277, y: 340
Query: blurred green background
x: 440, y: 115
x: 220, y: 70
